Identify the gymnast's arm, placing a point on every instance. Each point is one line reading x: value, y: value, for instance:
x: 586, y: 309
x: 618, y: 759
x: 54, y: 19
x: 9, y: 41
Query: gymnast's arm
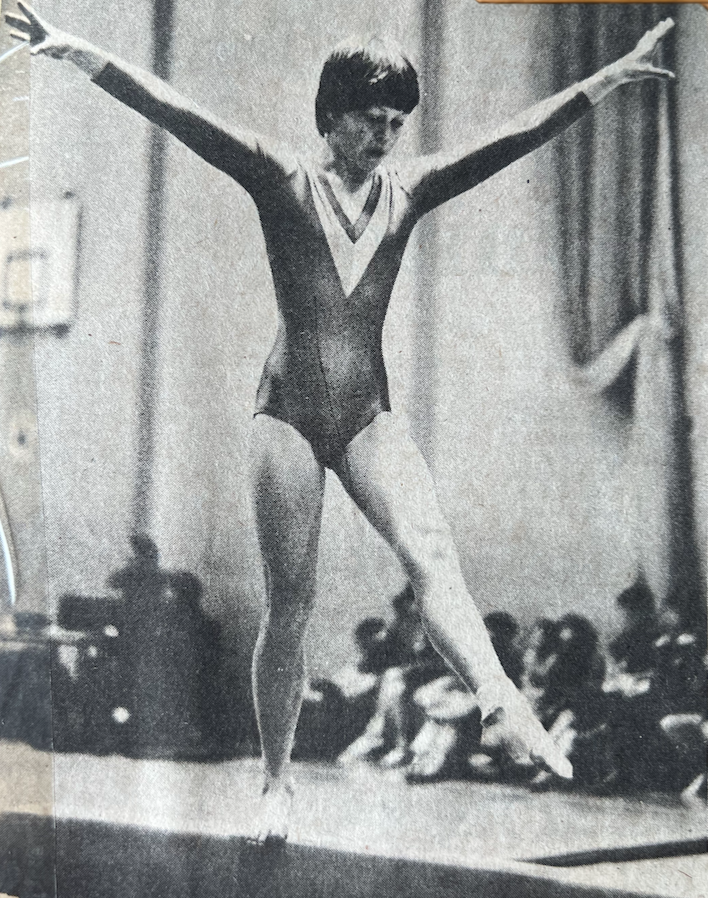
x: 435, y: 179
x: 239, y: 153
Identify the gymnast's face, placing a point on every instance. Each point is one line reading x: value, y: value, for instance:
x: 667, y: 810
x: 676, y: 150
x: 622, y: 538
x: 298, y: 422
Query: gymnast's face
x: 361, y: 139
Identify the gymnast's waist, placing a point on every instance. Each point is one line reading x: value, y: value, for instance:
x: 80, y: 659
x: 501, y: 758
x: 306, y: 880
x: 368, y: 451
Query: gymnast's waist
x: 315, y: 379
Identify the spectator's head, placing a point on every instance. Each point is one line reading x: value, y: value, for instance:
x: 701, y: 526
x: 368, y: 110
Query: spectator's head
x: 404, y: 604
x: 501, y: 625
x: 637, y: 602
x: 542, y: 637
x: 369, y: 632
x: 185, y: 587
x: 370, y: 637
x: 577, y: 631
x: 144, y: 548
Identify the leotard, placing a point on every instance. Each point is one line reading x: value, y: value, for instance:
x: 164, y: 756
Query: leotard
x: 325, y: 375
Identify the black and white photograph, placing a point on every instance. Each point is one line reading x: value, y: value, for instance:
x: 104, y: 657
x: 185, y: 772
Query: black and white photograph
x: 354, y: 449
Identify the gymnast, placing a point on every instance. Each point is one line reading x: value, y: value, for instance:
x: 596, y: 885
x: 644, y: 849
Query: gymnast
x: 335, y: 230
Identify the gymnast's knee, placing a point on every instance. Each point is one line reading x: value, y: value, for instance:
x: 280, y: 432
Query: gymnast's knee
x: 286, y: 616
x: 430, y: 560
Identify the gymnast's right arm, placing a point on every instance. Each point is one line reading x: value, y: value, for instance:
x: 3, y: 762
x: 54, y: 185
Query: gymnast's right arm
x: 238, y: 153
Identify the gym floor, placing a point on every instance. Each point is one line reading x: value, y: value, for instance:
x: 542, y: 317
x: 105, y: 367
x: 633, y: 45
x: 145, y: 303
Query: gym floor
x: 134, y: 828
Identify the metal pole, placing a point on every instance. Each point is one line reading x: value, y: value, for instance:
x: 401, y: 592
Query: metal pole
x: 162, y: 37
x: 424, y: 379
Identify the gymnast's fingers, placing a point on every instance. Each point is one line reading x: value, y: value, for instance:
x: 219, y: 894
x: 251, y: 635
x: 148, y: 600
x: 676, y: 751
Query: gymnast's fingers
x: 27, y: 10
x: 17, y: 21
x: 664, y: 74
x: 19, y: 36
x: 662, y: 28
x: 649, y: 43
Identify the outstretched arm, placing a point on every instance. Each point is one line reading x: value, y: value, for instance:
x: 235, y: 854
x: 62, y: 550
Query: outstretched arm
x: 239, y: 153
x: 436, y: 179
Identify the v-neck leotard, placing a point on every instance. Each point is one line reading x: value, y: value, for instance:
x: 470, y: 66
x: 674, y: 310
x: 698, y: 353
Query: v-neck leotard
x: 325, y: 375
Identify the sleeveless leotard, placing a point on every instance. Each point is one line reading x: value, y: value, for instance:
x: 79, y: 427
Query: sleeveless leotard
x: 333, y: 279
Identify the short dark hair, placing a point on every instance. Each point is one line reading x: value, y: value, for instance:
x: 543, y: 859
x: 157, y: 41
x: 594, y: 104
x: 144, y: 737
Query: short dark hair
x: 368, y: 630
x: 357, y: 75
x: 502, y: 624
x: 637, y: 597
x: 405, y: 601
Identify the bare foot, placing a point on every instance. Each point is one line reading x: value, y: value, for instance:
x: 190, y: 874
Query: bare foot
x: 273, y: 815
x: 513, y: 727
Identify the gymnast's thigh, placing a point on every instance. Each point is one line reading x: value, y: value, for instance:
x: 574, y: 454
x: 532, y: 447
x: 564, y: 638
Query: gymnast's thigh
x: 287, y: 489
x: 386, y: 475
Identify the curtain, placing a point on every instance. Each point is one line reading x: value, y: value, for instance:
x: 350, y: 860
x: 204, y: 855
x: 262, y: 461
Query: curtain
x: 621, y: 309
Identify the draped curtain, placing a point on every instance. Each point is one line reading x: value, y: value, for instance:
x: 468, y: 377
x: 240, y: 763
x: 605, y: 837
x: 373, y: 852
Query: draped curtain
x: 621, y: 308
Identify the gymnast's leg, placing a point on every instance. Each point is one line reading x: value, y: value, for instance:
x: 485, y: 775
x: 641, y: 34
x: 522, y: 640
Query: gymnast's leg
x: 385, y: 474
x: 287, y: 487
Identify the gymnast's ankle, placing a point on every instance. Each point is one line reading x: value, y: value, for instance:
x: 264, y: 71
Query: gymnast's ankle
x: 510, y: 724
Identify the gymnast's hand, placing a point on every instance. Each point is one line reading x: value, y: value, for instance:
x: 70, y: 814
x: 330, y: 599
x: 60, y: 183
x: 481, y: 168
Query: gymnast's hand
x: 639, y: 64
x: 42, y: 37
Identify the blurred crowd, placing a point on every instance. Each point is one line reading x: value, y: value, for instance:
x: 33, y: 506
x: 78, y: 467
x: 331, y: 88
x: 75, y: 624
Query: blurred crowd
x: 630, y: 717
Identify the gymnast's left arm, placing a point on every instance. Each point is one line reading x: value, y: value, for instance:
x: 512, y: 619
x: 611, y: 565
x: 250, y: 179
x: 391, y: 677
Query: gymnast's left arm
x: 435, y: 179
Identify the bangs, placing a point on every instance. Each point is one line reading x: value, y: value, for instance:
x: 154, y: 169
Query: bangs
x: 358, y: 75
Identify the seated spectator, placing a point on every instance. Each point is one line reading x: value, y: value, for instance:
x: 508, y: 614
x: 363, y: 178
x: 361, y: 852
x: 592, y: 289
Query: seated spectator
x: 451, y: 727
x: 681, y: 681
x: 537, y: 657
x: 571, y: 705
x: 641, y: 689
x: 688, y: 734
x: 633, y: 651
x: 411, y: 662
x: 335, y: 711
x: 361, y: 678
x: 504, y: 633
x: 680, y: 676
x: 577, y: 671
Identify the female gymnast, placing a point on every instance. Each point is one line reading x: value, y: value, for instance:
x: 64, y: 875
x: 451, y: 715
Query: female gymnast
x: 336, y: 229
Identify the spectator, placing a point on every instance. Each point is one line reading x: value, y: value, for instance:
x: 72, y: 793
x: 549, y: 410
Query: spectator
x: 680, y: 675
x: 681, y: 681
x: 536, y: 661
x: 688, y: 734
x: 335, y: 711
x: 638, y: 691
x: 571, y: 705
x: 504, y: 632
x: 633, y: 649
x: 410, y: 663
